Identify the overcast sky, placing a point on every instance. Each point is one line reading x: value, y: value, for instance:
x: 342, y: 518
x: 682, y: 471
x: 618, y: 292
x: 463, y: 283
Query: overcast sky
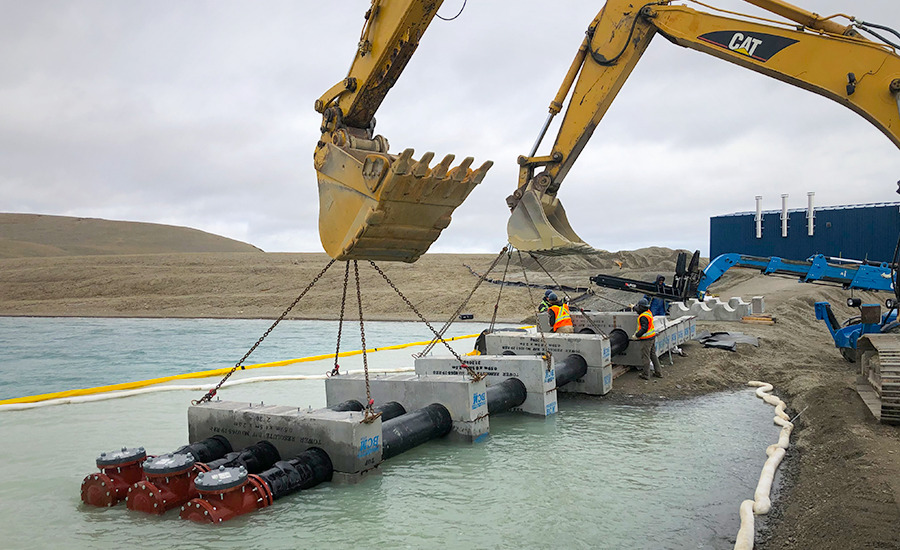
x: 200, y: 113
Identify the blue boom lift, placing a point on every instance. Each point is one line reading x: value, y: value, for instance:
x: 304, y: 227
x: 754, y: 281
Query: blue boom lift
x: 690, y: 282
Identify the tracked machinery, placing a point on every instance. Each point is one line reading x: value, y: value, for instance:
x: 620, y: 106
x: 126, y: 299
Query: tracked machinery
x: 374, y: 204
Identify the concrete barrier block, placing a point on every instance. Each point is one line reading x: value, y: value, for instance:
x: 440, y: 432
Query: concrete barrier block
x: 466, y: 400
x: 540, y: 382
x: 353, y: 446
x: 758, y: 305
x: 594, y: 348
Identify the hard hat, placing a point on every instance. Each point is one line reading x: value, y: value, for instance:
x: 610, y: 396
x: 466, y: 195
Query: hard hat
x: 643, y: 304
x: 547, y: 293
x: 552, y: 296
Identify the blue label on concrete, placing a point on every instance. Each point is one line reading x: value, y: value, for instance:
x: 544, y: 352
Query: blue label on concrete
x: 606, y: 353
x: 549, y: 375
x: 607, y: 379
x: 551, y: 408
x: 368, y: 445
x: 479, y: 400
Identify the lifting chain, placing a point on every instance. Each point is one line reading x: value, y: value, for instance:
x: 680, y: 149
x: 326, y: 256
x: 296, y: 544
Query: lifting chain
x: 474, y: 376
x: 502, y: 283
x: 337, y: 351
x: 370, y: 415
x: 453, y: 317
x: 584, y: 315
x: 211, y: 393
x: 547, y: 357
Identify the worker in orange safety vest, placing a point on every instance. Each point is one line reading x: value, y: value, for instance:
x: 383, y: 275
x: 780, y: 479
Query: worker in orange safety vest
x: 560, y: 318
x: 646, y: 335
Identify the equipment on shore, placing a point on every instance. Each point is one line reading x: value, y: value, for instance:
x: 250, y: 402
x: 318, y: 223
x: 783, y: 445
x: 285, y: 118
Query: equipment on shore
x: 376, y: 205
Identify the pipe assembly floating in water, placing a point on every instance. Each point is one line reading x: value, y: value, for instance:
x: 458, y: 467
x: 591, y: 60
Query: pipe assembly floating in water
x: 226, y: 493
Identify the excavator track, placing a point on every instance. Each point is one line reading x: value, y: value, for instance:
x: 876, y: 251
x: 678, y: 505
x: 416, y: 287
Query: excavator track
x: 879, y: 380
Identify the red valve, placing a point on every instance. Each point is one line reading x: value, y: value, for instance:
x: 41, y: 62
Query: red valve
x: 226, y: 493
x: 119, y: 470
x: 168, y: 482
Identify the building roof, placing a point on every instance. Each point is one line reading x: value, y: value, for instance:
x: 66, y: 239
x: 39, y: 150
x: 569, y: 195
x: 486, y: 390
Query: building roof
x: 816, y: 209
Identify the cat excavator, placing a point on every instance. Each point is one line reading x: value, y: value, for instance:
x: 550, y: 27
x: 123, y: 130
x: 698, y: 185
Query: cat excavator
x: 374, y: 204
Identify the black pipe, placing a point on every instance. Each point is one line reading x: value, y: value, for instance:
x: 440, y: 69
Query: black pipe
x: 571, y: 368
x: 349, y: 405
x: 412, y: 429
x: 505, y: 395
x: 254, y: 458
x: 618, y: 341
x: 308, y: 469
x: 390, y: 410
x: 212, y: 448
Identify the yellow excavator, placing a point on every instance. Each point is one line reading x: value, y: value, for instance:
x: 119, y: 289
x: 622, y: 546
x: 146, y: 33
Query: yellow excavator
x: 376, y: 205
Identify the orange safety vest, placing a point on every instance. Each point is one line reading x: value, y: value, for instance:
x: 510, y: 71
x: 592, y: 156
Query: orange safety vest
x: 563, y: 317
x: 651, y: 332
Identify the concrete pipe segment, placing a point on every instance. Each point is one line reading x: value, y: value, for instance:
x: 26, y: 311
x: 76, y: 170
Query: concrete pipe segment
x: 761, y: 503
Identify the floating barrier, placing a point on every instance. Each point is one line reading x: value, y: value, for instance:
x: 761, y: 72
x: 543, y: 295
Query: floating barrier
x: 762, y: 503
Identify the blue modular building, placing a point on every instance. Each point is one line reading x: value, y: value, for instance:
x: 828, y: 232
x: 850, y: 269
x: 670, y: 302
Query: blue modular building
x: 859, y: 232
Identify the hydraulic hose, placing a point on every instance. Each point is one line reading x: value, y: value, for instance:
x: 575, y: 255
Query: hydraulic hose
x: 405, y: 432
x: 505, y: 395
x: 571, y: 368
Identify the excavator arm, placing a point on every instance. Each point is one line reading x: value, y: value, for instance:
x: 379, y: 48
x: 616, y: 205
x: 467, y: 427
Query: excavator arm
x: 820, y: 56
x: 377, y: 205
x: 373, y: 204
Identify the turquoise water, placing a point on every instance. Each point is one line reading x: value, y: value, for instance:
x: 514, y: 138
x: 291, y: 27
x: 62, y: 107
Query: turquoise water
x: 600, y: 474
x: 44, y: 355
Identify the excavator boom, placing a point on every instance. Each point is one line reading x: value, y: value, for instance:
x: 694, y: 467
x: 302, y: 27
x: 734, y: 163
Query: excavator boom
x: 830, y: 60
x: 373, y: 204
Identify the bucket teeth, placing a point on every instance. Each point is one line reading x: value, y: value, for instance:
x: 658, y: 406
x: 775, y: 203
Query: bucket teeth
x: 400, y: 217
x: 420, y: 169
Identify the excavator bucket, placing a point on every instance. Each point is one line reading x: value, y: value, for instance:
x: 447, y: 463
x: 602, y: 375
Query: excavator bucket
x: 378, y: 206
x: 539, y: 224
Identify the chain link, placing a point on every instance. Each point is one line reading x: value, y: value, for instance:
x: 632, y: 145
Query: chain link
x: 440, y: 334
x: 475, y: 376
x: 337, y: 351
x: 211, y: 393
x: 547, y: 356
x: 502, y: 284
x: 370, y: 415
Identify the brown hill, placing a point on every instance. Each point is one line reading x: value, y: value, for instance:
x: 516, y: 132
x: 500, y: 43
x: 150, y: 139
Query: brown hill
x: 38, y: 235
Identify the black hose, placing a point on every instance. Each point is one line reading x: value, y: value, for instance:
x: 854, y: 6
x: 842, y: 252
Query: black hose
x: 412, y: 429
x: 212, y: 448
x: 349, y: 405
x: 618, y: 341
x: 505, y: 395
x: 571, y: 368
x: 254, y: 458
x: 390, y: 410
x: 306, y: 470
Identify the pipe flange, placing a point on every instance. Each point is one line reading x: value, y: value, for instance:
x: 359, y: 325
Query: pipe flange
x: 221, y: 479
x: 124, y: 456
x: 169, y: 464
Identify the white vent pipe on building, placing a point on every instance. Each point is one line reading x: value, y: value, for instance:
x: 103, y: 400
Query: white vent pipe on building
x: 759, y: 216
x: 810, y: 214
x: 784, y: 215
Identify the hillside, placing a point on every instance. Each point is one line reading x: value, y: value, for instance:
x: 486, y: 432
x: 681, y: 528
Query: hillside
x: 38, y: 236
